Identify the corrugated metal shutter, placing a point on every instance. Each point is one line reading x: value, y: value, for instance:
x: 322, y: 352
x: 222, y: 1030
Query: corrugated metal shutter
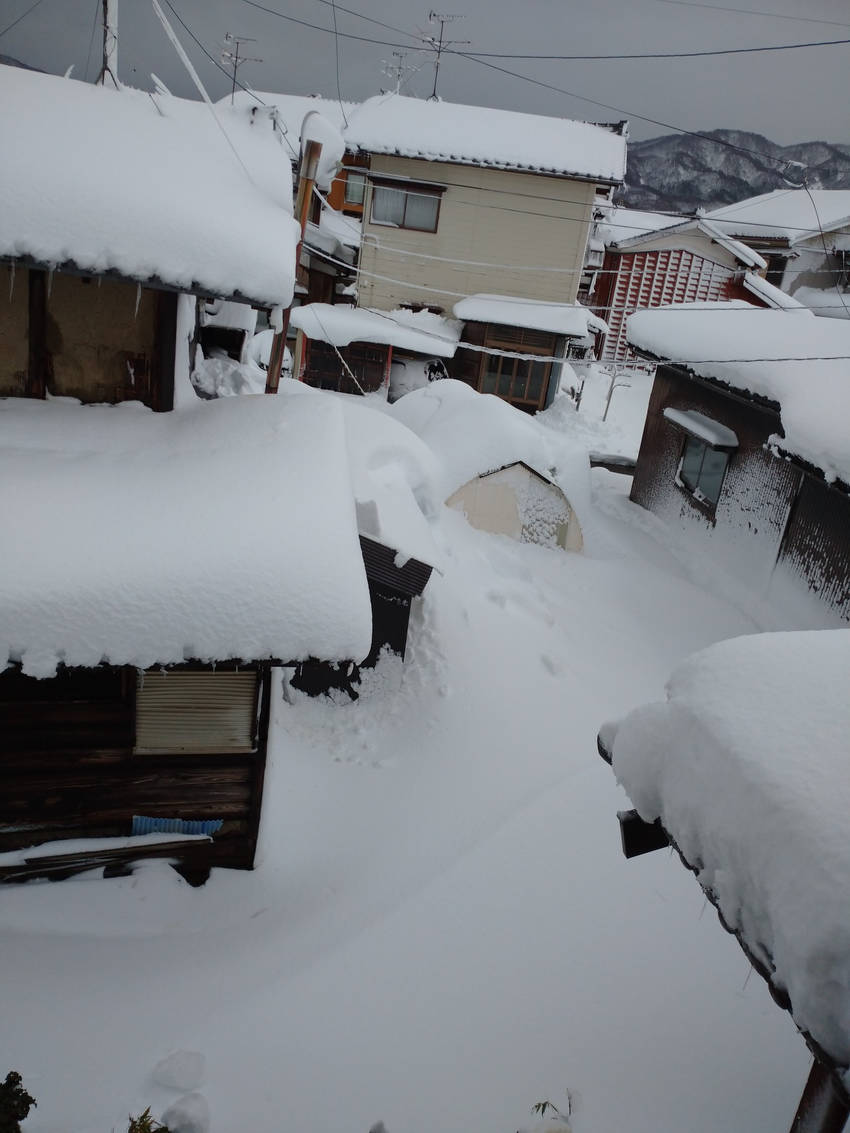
x: 196, y: 711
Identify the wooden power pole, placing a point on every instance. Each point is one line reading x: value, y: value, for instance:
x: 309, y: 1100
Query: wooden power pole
x: 310, y: 153
x: 110, y: 43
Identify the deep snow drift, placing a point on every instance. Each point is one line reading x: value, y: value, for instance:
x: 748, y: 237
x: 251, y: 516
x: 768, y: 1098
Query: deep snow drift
x: 441, y: 930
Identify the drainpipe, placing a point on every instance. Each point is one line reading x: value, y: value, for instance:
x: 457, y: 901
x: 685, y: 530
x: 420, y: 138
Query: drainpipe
x: 306, y: 180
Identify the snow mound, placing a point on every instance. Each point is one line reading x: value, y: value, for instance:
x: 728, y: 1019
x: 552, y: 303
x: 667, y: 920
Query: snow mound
x: 746, y: 766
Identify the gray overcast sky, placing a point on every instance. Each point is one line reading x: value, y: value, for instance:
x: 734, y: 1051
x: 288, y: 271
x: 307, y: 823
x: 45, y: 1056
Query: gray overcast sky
x: 788, y: 96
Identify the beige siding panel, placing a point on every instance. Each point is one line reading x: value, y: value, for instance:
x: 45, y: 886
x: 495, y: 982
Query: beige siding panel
x: 487, y: 215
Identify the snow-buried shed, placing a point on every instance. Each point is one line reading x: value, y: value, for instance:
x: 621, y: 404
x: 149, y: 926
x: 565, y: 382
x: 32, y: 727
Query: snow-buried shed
x: 773, y: 506
x: 162, y: 563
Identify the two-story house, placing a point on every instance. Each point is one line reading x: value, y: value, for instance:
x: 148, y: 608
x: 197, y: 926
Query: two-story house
x: 473, y: 203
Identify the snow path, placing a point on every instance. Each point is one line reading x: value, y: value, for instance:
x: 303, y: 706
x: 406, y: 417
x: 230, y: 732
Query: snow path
x: 442, y: 930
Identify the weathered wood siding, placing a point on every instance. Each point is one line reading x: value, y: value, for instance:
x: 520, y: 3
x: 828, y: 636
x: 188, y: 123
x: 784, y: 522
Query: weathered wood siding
x: 14, y: 340
x: 816, y: 547
x: 68, y: 768
x: 744, y: 532
x: 490, y: 215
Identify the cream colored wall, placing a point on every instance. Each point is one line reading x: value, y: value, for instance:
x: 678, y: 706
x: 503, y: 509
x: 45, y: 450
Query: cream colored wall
x: 530, y: 220
x: 695, y: 242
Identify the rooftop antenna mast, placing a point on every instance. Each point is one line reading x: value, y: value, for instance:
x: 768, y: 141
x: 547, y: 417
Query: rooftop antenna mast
x: 395, y: 70
x: 439, y: 44
x: 110, y: 44
x: 232, y: 58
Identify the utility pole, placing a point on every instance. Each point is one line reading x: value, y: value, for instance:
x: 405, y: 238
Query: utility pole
x: 234, y: 59
x: 110, y: 43
x: 310, y: 153
x: 439, y: 45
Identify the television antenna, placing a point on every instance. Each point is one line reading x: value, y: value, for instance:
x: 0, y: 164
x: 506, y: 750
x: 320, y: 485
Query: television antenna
x: 438, y: 44
x: 231, y: 57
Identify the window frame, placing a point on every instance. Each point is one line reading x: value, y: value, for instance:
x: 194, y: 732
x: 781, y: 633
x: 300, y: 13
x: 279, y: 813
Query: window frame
x: 695, y: 492
x: 406, y: 189
x: 355, y: 177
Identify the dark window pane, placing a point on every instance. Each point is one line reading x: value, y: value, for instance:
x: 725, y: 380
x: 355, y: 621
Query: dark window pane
x: 691, y: 463
x: 711, y: 476
x: 535, y: 384
x: 505, y: 385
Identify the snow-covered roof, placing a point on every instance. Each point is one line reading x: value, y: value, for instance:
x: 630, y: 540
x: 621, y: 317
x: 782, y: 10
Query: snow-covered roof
x: 746, y: 766
x: 790, y: 357
x: 828, y: 302
x: 146, y: 186
x: 483, y: 135
x: 225, y: 530
x: 622, y: 223
x: 347, y: 230
x: 472, y: 434
x: 714, y: 232
x: 570, y: 319
x: 339, y: 324
x: 769, y: 293
x: 291, y: 111
x: 785, y: 214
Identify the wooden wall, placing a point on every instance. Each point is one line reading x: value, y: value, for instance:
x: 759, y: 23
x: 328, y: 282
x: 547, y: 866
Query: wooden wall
x: 770, y: 511
x: 68, y: 768
x: 94, y: 338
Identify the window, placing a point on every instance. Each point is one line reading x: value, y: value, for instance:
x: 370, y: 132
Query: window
x: 196, y: 711
x: 524, y: 382
x: 415, y: 207
x: 701, y: 470
x: 355, y: 187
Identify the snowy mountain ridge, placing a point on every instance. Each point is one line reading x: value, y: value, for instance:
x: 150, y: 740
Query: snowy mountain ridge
x: 681, y: 172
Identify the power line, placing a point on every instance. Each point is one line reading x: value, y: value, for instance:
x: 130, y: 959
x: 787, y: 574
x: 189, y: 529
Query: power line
x: 336, y: 58
x: 91, y: 39
x: 756, y: 12
x: 369, y: 19
x: 24, y: 15
x: 652, y: 55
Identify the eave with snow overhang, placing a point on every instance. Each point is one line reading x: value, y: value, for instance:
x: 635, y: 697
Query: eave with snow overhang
x: 756, y: 809
x: 773, y: 510
x: 145, y: 600
x: 113, y: 203
x: 514, y: 348
x: 350, y: 349
x: 434, y: 130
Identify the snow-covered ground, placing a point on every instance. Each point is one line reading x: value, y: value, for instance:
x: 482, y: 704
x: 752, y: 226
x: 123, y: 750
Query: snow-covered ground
x: 441, y: 930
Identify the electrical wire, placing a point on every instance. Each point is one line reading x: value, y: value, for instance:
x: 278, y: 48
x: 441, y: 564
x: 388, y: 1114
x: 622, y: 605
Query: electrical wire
x: 369, y: 19
x: 91, y: 39
x: 755, y: 12
x: 23, y: 16
x: 652, y: 55
x: 336, y: 56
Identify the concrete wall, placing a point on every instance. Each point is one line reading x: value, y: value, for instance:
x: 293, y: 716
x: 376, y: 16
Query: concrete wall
x: 487, y: 215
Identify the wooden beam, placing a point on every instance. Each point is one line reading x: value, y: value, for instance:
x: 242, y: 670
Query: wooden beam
x: 38, y: 365
x: 639, y: 837
x: 821, y: 1109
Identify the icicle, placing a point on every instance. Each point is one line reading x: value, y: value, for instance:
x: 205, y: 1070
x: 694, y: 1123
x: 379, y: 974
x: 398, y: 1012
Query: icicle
x: 11, y: 280
x: 138, y: 300
x: 131, y: 372
x: 276, y: 319
x: 50, y: 282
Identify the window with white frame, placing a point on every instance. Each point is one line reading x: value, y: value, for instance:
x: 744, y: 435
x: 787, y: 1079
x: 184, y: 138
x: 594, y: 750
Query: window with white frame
x: 406, y: 206
x: 701, y: 470
x: 355, y: 187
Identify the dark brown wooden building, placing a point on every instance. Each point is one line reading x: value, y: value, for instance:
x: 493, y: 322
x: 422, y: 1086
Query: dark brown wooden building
x: 713, y: 464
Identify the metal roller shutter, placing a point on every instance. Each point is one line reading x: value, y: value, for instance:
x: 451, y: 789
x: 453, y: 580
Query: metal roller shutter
x: 196, y: 711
